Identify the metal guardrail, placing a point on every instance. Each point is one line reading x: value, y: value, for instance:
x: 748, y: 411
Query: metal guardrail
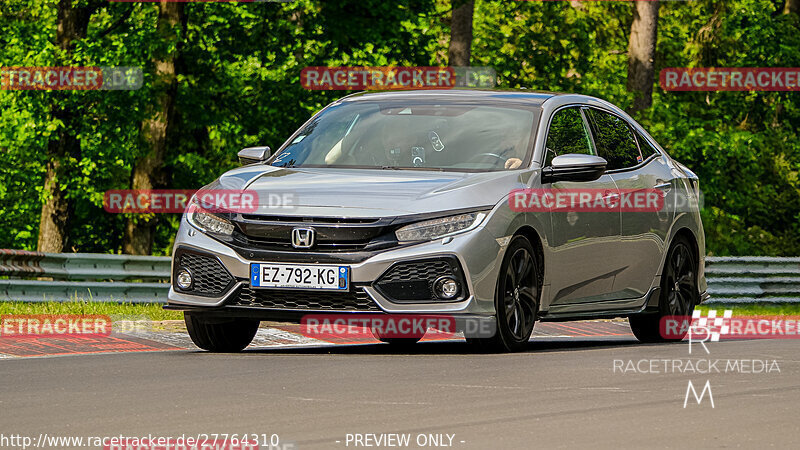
x: 83, y: 266
x: 35, y: 276
x: 749, y: 279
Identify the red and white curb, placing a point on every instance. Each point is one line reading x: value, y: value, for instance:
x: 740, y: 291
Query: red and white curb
x: 143, y: 336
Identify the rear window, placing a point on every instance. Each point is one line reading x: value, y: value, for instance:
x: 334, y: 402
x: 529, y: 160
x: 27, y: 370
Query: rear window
x: 614, y: 139
x: 645, y: 147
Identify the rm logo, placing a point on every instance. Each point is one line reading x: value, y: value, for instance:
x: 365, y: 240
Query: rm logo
x: 699, y: 399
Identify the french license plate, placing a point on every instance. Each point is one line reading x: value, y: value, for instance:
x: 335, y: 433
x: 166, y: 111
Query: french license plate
x: 299, y: 276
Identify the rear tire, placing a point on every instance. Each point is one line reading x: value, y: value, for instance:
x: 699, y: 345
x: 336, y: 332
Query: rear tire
x: 677, y: 297
x: 516, y: 300
x: 223, y: 335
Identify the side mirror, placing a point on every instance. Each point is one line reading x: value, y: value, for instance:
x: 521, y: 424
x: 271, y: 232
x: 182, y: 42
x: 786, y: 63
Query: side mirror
x: 253, y: 155
x: 574, y: 167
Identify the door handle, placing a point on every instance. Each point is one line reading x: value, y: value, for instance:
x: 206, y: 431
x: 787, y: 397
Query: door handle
x: 610, y: 194
x: 665, y: 186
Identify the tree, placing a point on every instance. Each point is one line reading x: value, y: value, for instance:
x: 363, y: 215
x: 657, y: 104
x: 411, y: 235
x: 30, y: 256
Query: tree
x: 791, y: 7
x: 641, y: 53
x: 148, y: 171
x: 461, y: 33
x: 71, y: 25
x: 239, y: 69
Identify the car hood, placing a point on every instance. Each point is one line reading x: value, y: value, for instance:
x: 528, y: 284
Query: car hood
x: 368, y: 192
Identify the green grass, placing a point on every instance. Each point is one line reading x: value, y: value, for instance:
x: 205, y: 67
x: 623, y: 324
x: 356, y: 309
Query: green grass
x: 131, y: 311
x: 754, y: 309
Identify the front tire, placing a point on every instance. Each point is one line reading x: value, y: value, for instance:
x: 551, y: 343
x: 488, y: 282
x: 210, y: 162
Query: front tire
x: 516, y: 299
x: 223, y: 335
x: 678, y: 295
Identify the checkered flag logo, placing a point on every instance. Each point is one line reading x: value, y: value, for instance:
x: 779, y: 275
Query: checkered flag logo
x: 716, y: 326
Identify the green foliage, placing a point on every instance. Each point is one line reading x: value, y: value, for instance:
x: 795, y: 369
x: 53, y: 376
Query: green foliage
x: 239, y: 85
x: 743, y: 145
x: 752, y: 309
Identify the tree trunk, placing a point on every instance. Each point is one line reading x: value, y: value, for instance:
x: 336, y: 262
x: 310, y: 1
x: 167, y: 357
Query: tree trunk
x: 148, y: 171
x: 791, y: 7
x: 72, y: 24
x: 641, y: 53
x: 460, y: 33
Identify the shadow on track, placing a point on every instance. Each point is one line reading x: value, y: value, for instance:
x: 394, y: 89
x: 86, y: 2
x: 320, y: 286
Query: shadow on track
x: 456, y: 347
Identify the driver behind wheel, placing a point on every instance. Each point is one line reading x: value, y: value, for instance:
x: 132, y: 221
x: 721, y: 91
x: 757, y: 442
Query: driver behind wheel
x: 511, y: 145
x: 505, y: 145
x: 513, y: 163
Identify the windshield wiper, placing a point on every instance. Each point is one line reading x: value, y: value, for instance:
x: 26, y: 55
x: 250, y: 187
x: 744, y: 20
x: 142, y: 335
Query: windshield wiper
x: 436, y: 169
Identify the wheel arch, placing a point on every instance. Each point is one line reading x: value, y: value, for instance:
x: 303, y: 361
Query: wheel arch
x: 533, y: 237
x: 689, y: 235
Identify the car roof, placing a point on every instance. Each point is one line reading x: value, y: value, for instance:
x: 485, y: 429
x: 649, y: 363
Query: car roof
x: 532, y: 98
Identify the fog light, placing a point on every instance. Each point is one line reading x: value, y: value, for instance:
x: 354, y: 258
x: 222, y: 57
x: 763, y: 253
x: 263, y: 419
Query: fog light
x: 446, y: 288
x: 184, y: 279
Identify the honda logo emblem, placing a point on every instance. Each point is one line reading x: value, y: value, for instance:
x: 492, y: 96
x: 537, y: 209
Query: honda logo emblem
x: 302, y: 237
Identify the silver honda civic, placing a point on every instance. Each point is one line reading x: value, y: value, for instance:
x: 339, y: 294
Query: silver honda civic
x: 492, y: 208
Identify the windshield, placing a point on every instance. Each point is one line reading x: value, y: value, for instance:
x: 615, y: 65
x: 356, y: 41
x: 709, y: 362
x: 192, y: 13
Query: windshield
x: 413, y: 135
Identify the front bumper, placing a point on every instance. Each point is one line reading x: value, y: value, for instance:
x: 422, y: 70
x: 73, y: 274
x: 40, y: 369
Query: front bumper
x: 476, y: 252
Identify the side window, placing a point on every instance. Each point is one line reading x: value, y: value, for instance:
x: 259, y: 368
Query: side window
x: 567, y: 134
x: 615, y: 141
x: 644, y: 145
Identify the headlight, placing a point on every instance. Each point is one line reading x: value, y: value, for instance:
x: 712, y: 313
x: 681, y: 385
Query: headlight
x: 436, y: 228
x: 208, y: 222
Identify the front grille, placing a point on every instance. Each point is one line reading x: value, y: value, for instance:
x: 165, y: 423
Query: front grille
x: 210, y: 278
x: 319, y: 246
x: 413, y: 281
x: 332, y: 234
x: 358, y: 300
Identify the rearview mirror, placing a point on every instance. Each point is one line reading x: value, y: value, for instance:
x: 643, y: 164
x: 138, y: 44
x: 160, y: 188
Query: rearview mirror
x: 574, y: 167
x: 251, y: 155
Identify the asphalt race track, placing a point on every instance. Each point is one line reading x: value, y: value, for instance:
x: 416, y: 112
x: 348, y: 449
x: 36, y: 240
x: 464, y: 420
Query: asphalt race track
x: 563, y: 392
